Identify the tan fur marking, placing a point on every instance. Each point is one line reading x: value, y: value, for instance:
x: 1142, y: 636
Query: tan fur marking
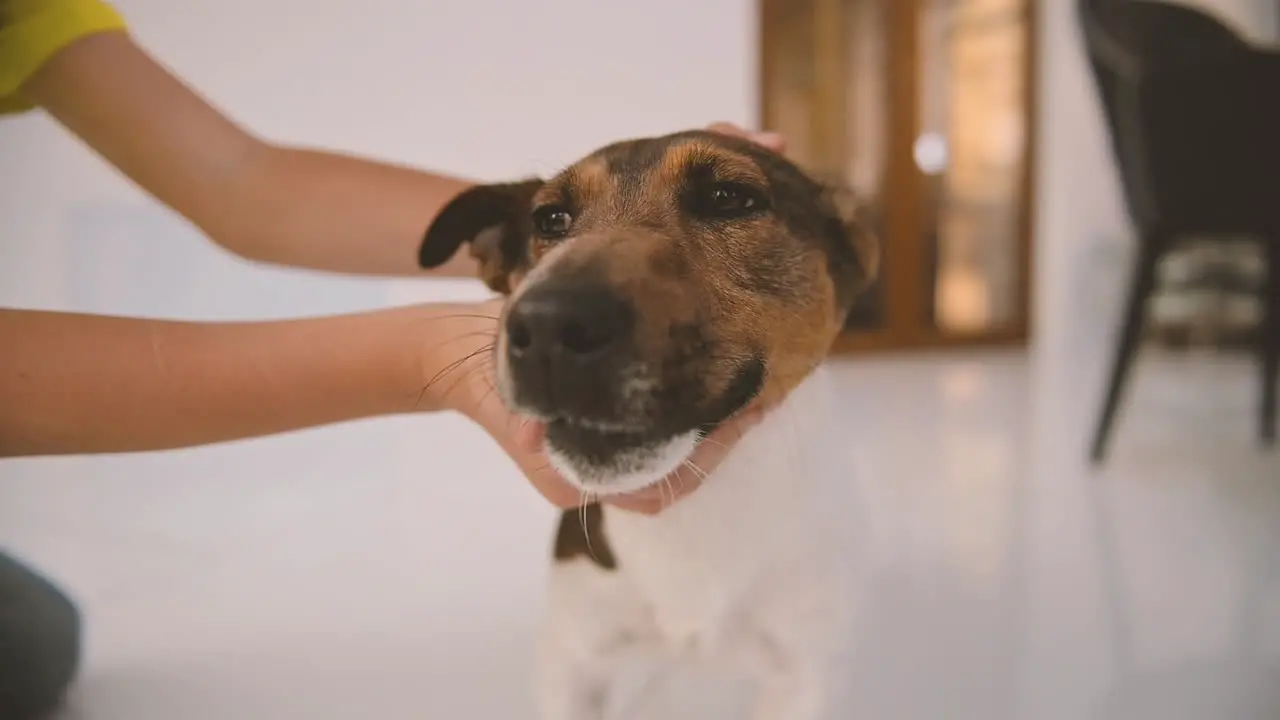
x: 709, y: 296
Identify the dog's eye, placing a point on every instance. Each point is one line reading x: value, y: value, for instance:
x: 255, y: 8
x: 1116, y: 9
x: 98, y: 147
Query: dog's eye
x: 726, y: 200
x: 552, y: 221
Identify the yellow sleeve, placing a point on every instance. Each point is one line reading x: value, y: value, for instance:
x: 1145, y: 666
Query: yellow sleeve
x: 32, y: 31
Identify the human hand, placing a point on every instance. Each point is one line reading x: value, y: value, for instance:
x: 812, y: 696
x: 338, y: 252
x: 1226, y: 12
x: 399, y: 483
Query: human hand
x: 771, y: 140
x: 471, y: 375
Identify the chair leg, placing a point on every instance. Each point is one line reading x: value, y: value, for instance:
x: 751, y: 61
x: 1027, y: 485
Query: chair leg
x: 1269, y: 340
x: 1144, y: 279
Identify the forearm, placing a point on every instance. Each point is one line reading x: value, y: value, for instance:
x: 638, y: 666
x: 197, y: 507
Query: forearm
x: 91, y: 384
x: 339, y: 213
x: 293, y: 207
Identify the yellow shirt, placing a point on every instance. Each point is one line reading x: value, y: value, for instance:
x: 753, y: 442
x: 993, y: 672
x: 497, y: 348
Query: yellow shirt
x: 32, y: 31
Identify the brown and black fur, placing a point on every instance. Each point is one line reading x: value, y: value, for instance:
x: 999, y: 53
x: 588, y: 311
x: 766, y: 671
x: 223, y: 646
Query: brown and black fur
x: 723, y: 309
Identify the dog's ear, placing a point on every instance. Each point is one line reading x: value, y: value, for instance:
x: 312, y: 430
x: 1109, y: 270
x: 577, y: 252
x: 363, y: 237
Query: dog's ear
x: 855, y: 237
x: 495, y: 221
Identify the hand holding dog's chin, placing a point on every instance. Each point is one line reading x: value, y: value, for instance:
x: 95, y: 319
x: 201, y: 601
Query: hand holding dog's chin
x: 706, y: 458
x: 468, y: 387
x: 655, y: 498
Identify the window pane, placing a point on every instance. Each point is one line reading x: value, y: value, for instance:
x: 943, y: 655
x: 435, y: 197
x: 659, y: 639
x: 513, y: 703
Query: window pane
x: 971, y: 152
x: 866, y: 106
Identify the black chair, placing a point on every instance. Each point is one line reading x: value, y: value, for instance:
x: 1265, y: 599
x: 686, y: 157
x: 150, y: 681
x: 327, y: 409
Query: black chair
x: 1194, y: 117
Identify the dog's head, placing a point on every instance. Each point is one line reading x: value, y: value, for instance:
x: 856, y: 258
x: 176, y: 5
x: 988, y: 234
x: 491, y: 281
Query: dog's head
x: 656, y: 288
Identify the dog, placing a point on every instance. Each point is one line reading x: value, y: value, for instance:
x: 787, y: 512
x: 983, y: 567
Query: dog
x: 654, y: 289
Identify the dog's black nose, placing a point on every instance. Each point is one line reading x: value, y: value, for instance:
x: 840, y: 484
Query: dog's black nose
x: 567, y: 322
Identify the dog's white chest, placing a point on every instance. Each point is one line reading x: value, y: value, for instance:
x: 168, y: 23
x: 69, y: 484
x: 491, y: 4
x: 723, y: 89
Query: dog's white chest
x: 784, y: 503
x: 691, y: 583
x: 758, y: 572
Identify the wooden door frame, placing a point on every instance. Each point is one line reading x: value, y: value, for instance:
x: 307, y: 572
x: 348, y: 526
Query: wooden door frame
x: 906, y: 287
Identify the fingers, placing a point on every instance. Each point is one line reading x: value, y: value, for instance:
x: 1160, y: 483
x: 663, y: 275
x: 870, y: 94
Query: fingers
x: 547, y: 481
x: 521, y: 438
x: 549, y: 484
x: 771, y: 140
x: 529, y: 435
x: 644, y: 503
x: 534, y: 462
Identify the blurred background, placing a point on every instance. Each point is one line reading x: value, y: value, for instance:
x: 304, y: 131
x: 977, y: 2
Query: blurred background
x: 1062, y: 186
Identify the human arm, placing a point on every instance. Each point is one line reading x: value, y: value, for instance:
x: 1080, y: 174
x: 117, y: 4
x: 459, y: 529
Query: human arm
x: 266, y: 202
x: 209, y: 383
x: 262, y: 201
x: 73, y: 383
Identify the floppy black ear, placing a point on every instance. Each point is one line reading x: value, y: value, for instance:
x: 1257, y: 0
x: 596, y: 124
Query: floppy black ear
x: 495, y: 221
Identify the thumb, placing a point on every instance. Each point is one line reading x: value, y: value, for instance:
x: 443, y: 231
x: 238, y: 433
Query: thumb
x: 521, y: 439
x: 530, y: 434
x: 548, y: 482
x: 527, y: 451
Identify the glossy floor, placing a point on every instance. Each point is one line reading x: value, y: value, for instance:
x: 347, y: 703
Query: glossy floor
x: 394, y: 568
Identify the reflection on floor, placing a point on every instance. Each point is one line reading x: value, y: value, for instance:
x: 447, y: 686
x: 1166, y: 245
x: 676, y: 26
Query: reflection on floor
x: 393, y: 569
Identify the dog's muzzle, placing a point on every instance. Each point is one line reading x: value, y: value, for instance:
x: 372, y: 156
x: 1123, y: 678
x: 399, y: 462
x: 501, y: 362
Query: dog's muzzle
x: 567, y: 345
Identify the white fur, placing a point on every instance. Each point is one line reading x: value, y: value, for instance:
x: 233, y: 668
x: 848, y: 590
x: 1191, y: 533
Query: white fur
x: 631, y: 471
x: 758, y: 571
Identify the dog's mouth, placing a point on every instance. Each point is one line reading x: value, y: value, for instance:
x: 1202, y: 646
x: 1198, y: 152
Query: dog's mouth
x: 632, y: 451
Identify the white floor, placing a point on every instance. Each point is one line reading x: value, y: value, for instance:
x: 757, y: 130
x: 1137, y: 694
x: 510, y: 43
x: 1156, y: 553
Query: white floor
x: 393, y: 569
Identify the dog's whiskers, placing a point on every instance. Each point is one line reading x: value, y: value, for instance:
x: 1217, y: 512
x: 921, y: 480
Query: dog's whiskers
x: 702, y: 474
x: 586, y: 497
x: 470, y: 372
x: 461, y: 316
x: 679, y: 477
x: 717, y: 443
x: 448, y: 369
x: 666, y: 485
